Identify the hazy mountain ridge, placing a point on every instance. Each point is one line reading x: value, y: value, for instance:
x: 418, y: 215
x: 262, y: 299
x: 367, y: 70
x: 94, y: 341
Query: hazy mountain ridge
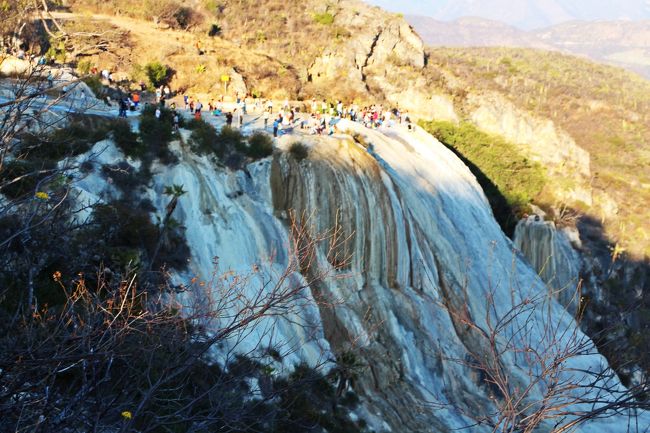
x: 621, y: 43
x: 526, y: 14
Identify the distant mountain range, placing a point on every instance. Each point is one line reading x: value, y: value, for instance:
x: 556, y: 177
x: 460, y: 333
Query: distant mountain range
x: 621, y: 43
x: 524, y: 14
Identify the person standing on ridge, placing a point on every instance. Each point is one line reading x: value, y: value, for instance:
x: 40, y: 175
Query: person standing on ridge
x: 176, y: 122
x: 266, y: 117
x: 123, y: 108
x: 276, y: 126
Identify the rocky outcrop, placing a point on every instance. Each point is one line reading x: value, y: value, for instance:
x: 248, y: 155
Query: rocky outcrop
x: 13, y: 66
x: 604, y: 289
x: 551, y: 253
x: 539, y: 139
x: 376, y: 39
x: 546, y: 143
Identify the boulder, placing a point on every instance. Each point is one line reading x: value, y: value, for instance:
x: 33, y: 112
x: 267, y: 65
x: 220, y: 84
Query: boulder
x: 14, y: 66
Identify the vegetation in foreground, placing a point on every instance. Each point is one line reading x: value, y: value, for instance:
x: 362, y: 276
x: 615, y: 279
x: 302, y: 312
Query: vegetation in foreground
x: 108, y: 357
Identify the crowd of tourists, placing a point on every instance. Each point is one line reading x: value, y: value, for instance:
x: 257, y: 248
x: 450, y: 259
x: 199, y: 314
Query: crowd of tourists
x: 315, y: 117
x: 318, y: 118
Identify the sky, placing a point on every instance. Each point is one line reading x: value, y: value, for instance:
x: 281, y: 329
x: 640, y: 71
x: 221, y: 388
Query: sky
x: 526, y: 14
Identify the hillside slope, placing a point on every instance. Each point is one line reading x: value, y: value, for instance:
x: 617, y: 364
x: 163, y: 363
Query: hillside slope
x: 292, y: 50
x: 603, y: 109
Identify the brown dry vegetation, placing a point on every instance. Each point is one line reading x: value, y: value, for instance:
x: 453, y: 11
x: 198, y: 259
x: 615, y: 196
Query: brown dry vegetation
x: 605, y: 109
x: 270, y: 44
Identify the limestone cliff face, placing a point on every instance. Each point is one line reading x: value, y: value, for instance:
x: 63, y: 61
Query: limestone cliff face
x: 424, y: 247
x: 552, y: 255
x: 540, y: 139
x: 423, y: 242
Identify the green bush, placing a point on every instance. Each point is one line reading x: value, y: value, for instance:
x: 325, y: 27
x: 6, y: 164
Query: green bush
x: 157, y: 73
x: 78, y: 136
x: 27, y: 171
x: 260, y: 145
x: 124, y: 177
x: 510, y: 181
x: 325, y: 18
x: 127, y: 231
x: 299, y: 151
x: 204, y: 138
x: 139, y: 74
x: 157, y: 133
x: 231, y: 138
x: 56, y: 52
x: 73, y: 140
x: 127, y: 140
x: 186, y: 17
x: 84, y: 66
x: 42, y: 153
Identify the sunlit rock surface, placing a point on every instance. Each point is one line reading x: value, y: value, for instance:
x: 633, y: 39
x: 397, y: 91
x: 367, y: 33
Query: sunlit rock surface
x: 551, y: 254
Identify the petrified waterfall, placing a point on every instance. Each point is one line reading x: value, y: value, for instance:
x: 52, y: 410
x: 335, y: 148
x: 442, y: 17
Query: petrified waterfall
x: 422, y: 242
x: 551, y: 254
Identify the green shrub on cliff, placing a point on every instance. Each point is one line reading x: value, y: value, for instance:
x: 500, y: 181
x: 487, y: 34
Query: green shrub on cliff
x: 325, y: 18
x: 204, y: 139
x: 156, y: 134
x: 157, y: 73
x: 299, y: 151
x: 510, y: 181
x: 260, y: 145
